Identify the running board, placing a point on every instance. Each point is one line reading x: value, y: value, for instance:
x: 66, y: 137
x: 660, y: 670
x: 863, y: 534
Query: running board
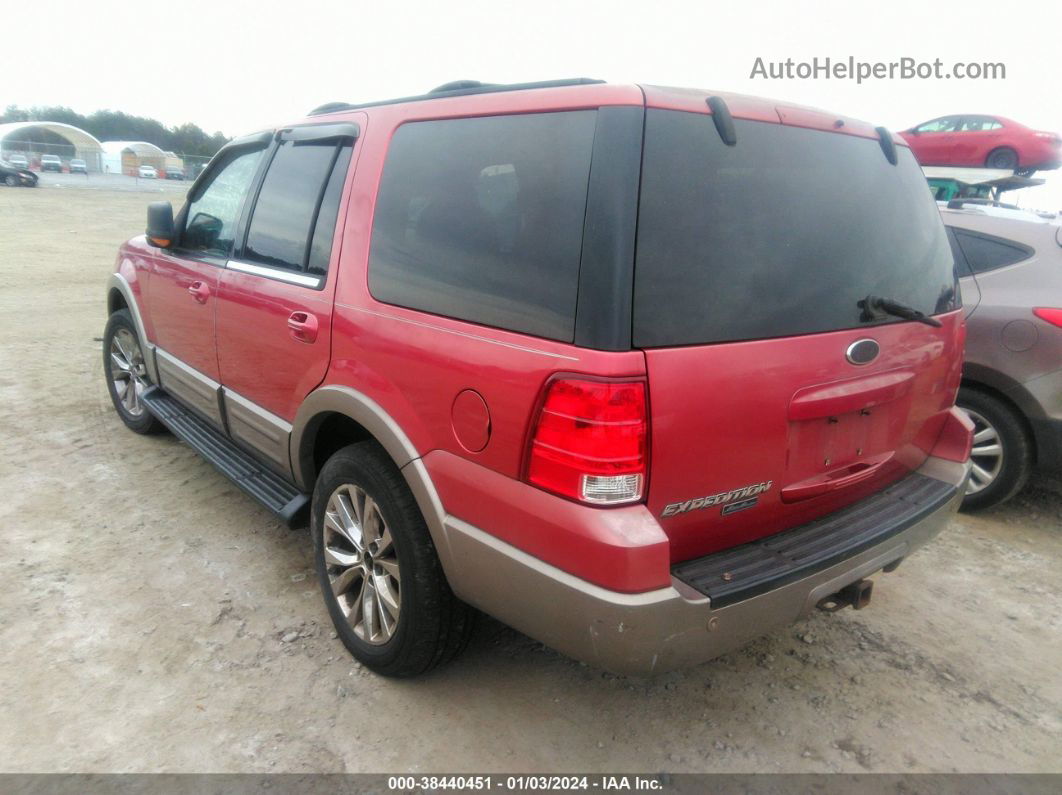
x: 260, y: 482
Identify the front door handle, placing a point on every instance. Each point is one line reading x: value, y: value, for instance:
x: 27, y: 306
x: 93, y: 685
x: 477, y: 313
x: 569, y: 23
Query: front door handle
x: 303, y: 326
x: 199, y: 291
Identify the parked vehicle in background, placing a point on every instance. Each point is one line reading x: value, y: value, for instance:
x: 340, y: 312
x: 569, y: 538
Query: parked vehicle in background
x: 989, y: 141
x: 14, y: 176
x: 18, y: 161
x: 147, y: 172
x: 998, y: 209
x: 78, y: 166
x: 484, y: 395
x: 1011, y: 278
x: 51, y: 163
x: 175, y: 173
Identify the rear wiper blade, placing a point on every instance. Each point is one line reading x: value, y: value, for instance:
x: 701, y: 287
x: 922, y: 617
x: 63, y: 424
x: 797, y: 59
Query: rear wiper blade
x: 875, y: 307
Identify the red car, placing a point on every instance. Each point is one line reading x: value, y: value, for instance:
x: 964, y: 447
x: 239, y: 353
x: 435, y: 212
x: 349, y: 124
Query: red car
x: 990, y: 141
x: 424, y: 326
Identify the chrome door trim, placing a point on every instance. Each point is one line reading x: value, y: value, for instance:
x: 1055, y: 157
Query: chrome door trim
x: 259, y: 429
x: 197, y: 391
x: 279, y: 274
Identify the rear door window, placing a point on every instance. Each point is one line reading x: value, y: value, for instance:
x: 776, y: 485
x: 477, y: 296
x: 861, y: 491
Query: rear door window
x: 295, y: 213
x: 985, y: 253
x: 482, y: 220
x: 213, y: 212
x: 782, y: 234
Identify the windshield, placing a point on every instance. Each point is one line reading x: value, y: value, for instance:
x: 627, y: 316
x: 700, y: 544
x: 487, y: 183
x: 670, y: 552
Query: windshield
x: 782, y: 234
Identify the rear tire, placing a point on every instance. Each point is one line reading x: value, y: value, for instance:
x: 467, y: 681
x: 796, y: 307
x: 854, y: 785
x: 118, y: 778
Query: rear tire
x: 1002, y: 450
x: 11, y: 180
x: 379, y: 573
x: 1004, y: 157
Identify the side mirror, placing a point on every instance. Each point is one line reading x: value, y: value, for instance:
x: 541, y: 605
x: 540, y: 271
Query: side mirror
x: 914, y: 131
x: 160, y: 224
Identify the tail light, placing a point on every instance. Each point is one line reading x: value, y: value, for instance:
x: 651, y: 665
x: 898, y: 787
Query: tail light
x: 1052, y: 316
x: 589, y: 441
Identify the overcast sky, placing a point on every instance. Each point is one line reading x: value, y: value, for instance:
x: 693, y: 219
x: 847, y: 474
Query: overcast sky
x: 239, y: 66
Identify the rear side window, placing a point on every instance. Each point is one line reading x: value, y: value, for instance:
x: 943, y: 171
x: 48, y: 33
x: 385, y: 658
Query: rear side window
x: 286, y: 211
x: 482, y: 220
x: 782, y: 234
x: 962, y: 268
x: 986, y: 253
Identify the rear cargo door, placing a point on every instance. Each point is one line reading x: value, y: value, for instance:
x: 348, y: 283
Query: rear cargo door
x: 774, y: 399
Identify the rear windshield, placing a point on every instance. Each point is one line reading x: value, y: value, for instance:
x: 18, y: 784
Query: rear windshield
x: 781, y: 234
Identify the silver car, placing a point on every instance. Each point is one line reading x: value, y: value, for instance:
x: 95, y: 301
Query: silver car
x: 1011, y: 277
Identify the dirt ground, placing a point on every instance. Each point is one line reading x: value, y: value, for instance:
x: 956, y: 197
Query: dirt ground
x: 144, y: 603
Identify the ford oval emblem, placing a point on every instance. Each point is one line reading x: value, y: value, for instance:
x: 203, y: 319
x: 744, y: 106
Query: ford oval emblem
x: 862, y: 351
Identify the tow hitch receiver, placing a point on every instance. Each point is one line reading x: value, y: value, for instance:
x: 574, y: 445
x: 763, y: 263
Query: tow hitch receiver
x: 857, y: 595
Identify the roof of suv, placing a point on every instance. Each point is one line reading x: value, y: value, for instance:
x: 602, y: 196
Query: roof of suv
x: 1032, y: 231
x: 740, y: 106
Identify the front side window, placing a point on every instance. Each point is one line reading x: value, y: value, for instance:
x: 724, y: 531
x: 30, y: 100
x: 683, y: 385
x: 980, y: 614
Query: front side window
x: 287, y: 206
x: 986, y: 253
x: 482, y: 220
x: 211, y: 217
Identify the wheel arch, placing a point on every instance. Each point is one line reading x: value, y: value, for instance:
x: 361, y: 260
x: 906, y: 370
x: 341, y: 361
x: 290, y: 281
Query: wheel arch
x: 995, y: 392
x: 333, y: 416
x: 120, y: 296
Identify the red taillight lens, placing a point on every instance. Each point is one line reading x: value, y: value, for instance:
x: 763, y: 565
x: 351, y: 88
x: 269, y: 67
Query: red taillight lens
x: 1052, y: 316
x: 590, y: 441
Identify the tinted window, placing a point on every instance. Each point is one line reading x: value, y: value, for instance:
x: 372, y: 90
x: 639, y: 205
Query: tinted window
x: 482, y: 220
x: 212, y: 214
x: 988, y: 253
x: 287, y: 203
x: 781, y: 234
x: 325, y: 226
x: 979, y: 123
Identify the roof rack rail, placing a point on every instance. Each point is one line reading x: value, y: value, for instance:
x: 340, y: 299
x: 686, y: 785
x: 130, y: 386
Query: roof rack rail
x: 456, y: 88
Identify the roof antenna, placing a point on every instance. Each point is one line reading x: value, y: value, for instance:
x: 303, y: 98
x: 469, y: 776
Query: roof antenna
x: 887, y: 145
x: 724, y: 122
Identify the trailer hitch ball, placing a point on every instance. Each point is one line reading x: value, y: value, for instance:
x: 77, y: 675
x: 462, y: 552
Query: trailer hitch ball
x: 856, y: 595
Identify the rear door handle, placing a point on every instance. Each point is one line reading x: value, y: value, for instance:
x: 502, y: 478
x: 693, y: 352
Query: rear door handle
x: 199, y: 291
x: 303, y: 326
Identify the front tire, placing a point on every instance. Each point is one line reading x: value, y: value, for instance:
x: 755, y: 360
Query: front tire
x: 1002, y: 451
x: 380, y: 577
x: 127, y: 378
x: 11, y: 180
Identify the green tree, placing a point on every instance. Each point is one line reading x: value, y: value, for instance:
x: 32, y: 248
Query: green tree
x: 115, y: 125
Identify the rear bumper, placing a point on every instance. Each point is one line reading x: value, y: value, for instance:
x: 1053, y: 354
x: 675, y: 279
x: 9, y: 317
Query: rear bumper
x: 668, y: 627
x: 1045, y: 417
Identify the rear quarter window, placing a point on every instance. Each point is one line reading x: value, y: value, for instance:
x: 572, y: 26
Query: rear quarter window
x: 986, y: 253
x: 482, y: 220
x: 782, y: 234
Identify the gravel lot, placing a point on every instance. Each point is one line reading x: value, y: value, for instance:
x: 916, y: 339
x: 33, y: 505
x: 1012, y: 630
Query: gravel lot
x: 145, y: 600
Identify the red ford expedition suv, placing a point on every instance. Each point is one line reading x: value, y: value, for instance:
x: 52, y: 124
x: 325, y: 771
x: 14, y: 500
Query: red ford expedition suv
x: 642, y: 372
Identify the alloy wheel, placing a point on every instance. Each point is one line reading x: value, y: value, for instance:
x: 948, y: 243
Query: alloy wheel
x: 362, y: 567
x: 986, y: 455
x: 128, y: 371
